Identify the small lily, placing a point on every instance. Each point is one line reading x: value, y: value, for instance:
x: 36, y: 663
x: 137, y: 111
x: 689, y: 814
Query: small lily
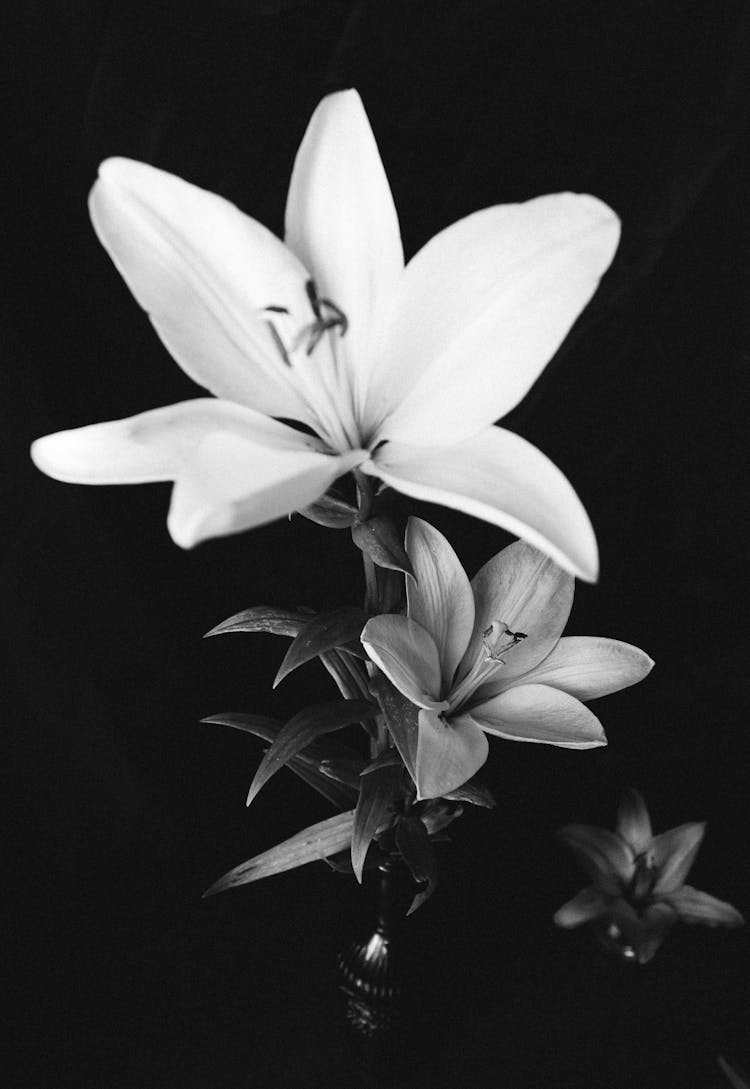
x: 486, y: 657
x: 639, y: 889
x: 399, y: 372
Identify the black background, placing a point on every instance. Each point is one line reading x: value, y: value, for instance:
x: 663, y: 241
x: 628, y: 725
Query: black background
x: 121, y: 807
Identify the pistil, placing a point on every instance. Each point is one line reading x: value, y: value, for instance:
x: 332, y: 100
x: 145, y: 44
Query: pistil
x: 497, y: 639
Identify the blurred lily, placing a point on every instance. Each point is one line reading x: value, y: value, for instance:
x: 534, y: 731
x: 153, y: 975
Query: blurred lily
x: 486, y: 657
x: 399, y: 372
x: 639, y: 890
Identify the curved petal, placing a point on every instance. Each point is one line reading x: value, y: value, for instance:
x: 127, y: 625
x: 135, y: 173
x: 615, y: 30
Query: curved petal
x: 694, y: 906
x: 203, y: 271
x: 605, y: 857
x: 586, y: 905
x: 233, y: 468
x: 674, y: 853
x: 535, y: 712
x: 501, y: 478
x: 448, y: 754
x: 407, y: 655
x: 481, y: 310
x: 342, y: 224
x: 588, y: 666
x: 439, y: 596
x: 641, y: 934
x: 633, y: 822
x: 523, y: 588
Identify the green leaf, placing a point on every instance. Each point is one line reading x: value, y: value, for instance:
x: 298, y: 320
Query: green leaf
x: 401, y: 718
x: 416, y: 850
x: 315, y: 843
x: 331, y: 511
x: 380, y: 792
x: 324, y: 632
x: 267, y: 618
x: 381, y: 541
x: 306, y: 726
x: 331, y: 769
x: 474, y: 793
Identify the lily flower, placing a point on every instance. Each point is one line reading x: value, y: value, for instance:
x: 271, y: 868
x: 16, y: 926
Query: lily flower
x: 398, y: 371
x: 486, y: 657
x: 639, y: 891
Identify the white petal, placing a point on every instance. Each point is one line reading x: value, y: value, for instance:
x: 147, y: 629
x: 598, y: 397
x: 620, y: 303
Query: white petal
x: 605, y: 856
x: 674, y: 853
x: 408, y: 656
x: 439, y: 597
x: 342, y: 224
x: 633, y: 822
x: 534, y: 712
x: 694, y: 906
x: 501, y: 478
x: 448, y: 754
x: 233, y: 468
x: 203, y: 271
x: 588, y: 666
x: 483, y: 308
x: 523, y: 588
x: 588, y: 904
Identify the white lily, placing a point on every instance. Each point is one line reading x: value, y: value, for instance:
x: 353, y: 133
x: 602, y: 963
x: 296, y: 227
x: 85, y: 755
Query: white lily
x: 400, y: 372
x: 486, y: 657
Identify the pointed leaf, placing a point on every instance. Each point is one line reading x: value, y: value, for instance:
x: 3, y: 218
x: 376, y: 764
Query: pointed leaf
x: 379, y: 795
x: 387, y: 759
x: 322, y: 718
x: 379, y: 538
x: 322, y: 633
x: 732, y: 1074
x: 331, y: 511
x: 265, y: 618
x: 436, y: 814
x: 332, y: 770
x: 473, y: 792
x: 317, y: 842
x: 401, y: 718
x: 416, y: 850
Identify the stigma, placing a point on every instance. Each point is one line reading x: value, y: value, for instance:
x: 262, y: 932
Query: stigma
x: 498, y: 639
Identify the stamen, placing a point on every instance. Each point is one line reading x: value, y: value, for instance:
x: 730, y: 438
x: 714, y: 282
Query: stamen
x: 492, y: 640
x: 278, y: 341
x: 322, y: 322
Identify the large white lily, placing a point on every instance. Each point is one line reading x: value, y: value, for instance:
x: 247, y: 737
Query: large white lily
x: 398, y: 371
x: 486, y: 657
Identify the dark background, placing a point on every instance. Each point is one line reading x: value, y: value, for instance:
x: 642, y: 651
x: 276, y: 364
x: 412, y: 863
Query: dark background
x: 121, y: 807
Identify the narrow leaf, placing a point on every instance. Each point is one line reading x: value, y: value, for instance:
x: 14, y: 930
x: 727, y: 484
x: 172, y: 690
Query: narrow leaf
x: 330, y: 511
x: 416, y: 850
x: 736, y: 1079
x: 324, y: 632
x: 379, y: 538
x: 379, y: 795
x: 317, y: 842
x: 401, y: 717
x: 473, y: 792
x: 267, y: 618
x: 331, y: 769
x: 387, y: 759
x: 436, y: 814
x: 306, y: 726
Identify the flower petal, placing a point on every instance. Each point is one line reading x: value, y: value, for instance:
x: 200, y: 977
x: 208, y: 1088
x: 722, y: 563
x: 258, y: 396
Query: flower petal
x: 233, y: 468
x: 535, y: 712
x: 694, y: 906
x: 342, y: 223
x: 482, y: 308
x: 448, y: 754
x: 439, y: 596
x: 674, y: 853
x: 203, y: 271
x: 633, y: 822
x: 503, y: 479
x: 523, y: 588
x: 605, y: 857
x: 641, y: 934
x: 408, y: 656
x: 588, y: 666
x: 588, y: 904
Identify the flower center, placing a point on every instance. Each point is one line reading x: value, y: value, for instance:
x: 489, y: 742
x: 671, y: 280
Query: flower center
x: 497, y: 640
x: 327, y: 315
x: 642, y: 882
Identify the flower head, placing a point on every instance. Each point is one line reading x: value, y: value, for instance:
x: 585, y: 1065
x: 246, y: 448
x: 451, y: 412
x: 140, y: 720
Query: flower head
x: 639, y: 889
x: 399, y: 371
x: 486, y: 657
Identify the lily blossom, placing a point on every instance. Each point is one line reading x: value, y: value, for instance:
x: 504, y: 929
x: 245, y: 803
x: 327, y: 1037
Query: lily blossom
x: 486, y: 657
x: 398, y: 371
x: 639, y: 889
